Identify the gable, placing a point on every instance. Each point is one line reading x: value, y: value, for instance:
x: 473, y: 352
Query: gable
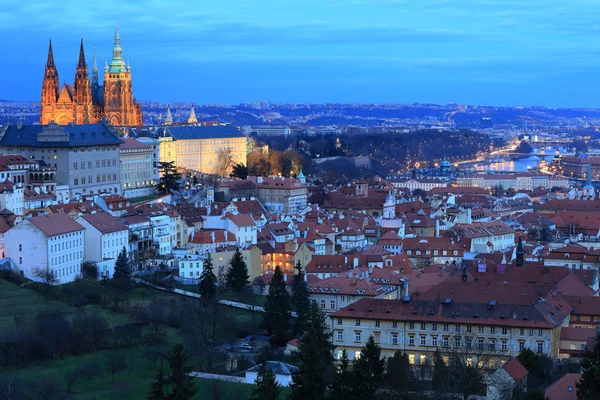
x: 65, y: 95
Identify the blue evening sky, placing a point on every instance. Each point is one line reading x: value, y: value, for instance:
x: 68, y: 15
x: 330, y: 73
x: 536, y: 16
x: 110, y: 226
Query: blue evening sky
x: 495, y: 52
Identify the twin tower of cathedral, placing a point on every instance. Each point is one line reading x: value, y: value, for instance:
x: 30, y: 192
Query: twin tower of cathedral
x: 86, y: 102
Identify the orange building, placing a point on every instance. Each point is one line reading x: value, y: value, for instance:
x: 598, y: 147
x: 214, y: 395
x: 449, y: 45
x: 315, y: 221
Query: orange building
x: 84, y: 102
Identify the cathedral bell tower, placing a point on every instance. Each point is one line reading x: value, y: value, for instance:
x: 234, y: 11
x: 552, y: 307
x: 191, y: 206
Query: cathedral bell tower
x: 82, y: 94
x: 49, y: 89
x: 119, y: 107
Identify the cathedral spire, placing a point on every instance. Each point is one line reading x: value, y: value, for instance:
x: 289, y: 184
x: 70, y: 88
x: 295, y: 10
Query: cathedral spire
x: 117, y: 64
x: 81, y: 62
x: 94, y: 70
x: 50, y: 62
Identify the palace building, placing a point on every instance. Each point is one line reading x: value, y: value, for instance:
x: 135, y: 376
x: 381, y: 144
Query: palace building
x: 87, y: 103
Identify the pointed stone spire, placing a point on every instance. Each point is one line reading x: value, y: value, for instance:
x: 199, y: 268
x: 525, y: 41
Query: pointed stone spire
x: 94, y: 70
x: 520, y: 253
x: 192, y: 119
x: 81, y: 62
x: 168, y: 118
x: 50, y: 62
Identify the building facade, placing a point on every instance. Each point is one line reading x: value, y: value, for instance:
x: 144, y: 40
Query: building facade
x: 207, y: 149
x: 137, y: 168
x: 85, y: 157
x: 85, y: 102
x: 52, y: 244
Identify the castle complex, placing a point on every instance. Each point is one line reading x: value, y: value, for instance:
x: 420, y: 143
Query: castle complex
x: 84, y: 102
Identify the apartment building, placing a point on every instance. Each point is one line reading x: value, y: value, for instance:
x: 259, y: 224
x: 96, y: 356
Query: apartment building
x: 420, y: 327
x: 137, y: 168
x: 105, y: 237
x: 52, y: 243
x: 86, y: 157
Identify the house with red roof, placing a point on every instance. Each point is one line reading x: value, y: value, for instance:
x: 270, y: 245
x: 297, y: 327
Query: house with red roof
x: 565, y: 388
x: 49, y: 245
x: 510, y: 377
x: 105, y: 237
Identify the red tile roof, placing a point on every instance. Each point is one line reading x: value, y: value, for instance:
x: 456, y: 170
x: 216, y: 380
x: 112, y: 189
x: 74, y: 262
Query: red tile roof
x: 105, y: 222
x: 56, y: 224
x: 565, y: 388
x: 515, y: 369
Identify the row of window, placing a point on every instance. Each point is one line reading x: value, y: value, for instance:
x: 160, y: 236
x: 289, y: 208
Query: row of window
x: 446, y: 327
x: 99, y: 164
x: 480, y: 343
x: 428, y: 252
x: 99, y: 179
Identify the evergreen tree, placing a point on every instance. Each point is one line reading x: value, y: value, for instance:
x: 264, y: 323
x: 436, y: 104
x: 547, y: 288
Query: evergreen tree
x: 237, y: 275
x: 277, y: 309
x: 589, y: 386
x: 267, y: 387
x: 439, y: 381
x: 315, y: 359
x: 341, y: 388
x: 239, y: 171
x: 182, y: 385
x: 398, y: 373
x: 300, y: 300
x: 368, y: 371
x: 122, y: 266
x: 208, y: 280
x: 169, y: 177
x: 157, y: 387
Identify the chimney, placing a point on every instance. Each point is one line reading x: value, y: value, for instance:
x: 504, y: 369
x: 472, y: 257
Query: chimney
x: 285, y: 277
x: 437, y: 228
x: 355, y: 262
x: 212, y: 236
x: 259, y: 179
x: 225, y: 235
x: 349, y: 274
x: 514, y: 315
x: 367, y: 274
x: 469, y: 219
x: 193, y: 232
x: 345, y: 260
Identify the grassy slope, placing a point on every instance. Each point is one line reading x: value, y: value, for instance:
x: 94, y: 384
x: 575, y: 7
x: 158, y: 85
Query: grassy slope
x: 134, y: 385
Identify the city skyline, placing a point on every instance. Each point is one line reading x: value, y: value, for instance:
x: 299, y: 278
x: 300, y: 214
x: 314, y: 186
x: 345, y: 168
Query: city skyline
x: 378, y: 51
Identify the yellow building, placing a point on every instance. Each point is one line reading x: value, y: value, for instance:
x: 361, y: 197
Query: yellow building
x: 206, y: 149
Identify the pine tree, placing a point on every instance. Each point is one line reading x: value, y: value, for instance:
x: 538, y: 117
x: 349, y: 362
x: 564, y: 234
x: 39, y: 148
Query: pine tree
x: 169, y: 179
x: 300, y: 300
x: 398, y: 373
x: 157, y: 387
x: 315, y: 359
x: 182, y: 385
x: 122, y: 266
x: 341, y: 388
x: 439, y: 381
x: 368, y: 371
x: 277, y: 309
x: 208, y: 280
x: 589, y: 386
x: 267, y: 387
x: 237, y: 275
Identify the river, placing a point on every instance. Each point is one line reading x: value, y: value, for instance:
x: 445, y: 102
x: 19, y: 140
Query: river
x: 522, y: 164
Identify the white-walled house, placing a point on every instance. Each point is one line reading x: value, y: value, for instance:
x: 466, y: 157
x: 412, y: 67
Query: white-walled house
x: 54, y: 243
x: 105, y: 237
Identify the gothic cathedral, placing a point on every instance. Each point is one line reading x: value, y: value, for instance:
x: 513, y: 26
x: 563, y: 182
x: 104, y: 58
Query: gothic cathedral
x: 85, y: 103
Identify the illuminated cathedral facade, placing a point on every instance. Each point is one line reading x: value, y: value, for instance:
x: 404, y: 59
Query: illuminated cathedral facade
x: 86, y: 102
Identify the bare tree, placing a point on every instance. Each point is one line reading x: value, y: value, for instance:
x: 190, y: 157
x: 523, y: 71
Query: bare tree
x: 225, y: 161
x: 202, y: 329
x: 44, y: 275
